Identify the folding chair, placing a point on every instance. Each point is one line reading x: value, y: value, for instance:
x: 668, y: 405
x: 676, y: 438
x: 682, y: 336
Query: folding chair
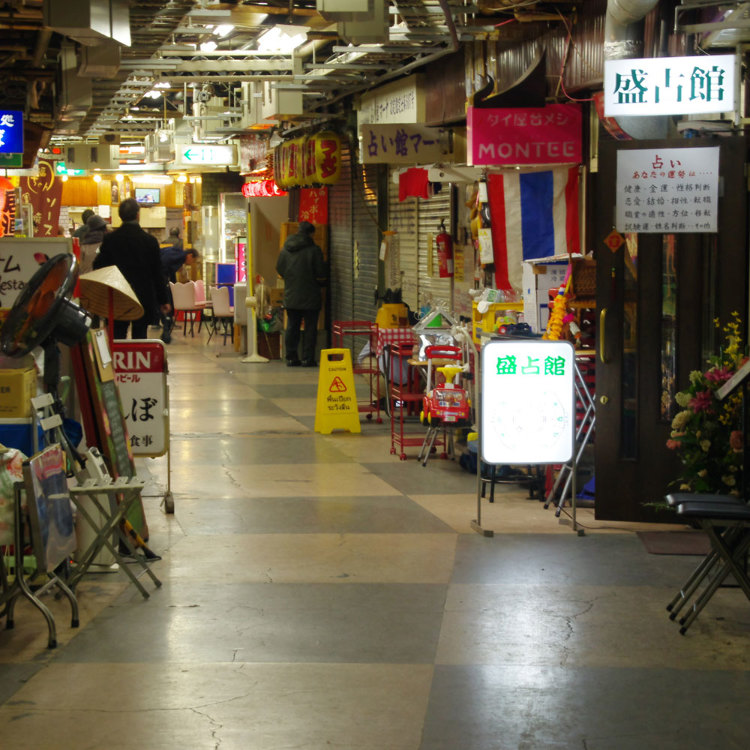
x: 726, y: 521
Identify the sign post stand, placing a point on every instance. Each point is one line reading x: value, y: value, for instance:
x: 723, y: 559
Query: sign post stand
x: 528, y: 409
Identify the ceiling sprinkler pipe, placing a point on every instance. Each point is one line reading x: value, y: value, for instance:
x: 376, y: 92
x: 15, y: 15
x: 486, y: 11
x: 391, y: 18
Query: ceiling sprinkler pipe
x: 623, y: 40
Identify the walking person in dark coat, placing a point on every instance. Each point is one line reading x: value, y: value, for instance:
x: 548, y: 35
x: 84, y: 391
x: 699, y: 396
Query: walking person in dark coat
x: 136, y: 254
x: 303, y: 268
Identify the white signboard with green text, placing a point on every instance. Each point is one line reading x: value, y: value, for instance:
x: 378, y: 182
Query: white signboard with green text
x: 528, y: 402
x: 670, y: 85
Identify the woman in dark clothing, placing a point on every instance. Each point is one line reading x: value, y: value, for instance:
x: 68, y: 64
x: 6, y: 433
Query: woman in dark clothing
x: 92, y: 238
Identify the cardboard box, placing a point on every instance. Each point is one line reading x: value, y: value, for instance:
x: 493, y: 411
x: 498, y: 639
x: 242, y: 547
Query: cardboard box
x: 17, y: 388
x: 275, y: 296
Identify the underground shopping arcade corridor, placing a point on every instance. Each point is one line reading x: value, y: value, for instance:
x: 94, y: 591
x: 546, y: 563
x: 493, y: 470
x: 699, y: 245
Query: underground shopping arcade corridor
x: 320, y: 593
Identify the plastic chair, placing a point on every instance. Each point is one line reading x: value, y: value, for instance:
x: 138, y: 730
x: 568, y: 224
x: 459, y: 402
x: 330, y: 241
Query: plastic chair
x: 222, y: 312
x: 183, y: 299
x: 200, y: 299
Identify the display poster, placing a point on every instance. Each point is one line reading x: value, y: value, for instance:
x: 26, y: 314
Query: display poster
x: 526, y: 135
x: 528, y: 402
x: 141, y: 377
x: 667, y: 190
x: 44, y: 194
x: 50, y: 511
x: 11, y: 131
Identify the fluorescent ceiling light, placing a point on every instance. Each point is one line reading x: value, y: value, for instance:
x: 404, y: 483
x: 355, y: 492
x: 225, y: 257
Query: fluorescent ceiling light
x: 162, y: 85
x: 209, y: 46
x: 223, y: 29
x: 282, y: 38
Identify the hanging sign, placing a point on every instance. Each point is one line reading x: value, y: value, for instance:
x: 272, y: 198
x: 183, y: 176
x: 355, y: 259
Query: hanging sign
x: 11, y: 131
x: 141, y: 377
x: 525, y: 135
x: 667, y: 190
x: 262, y: 189
x: 201, y: 153
x: 306, y: 162
x: 402, y: 144
x: 670, y: 85
x: 528, y: 402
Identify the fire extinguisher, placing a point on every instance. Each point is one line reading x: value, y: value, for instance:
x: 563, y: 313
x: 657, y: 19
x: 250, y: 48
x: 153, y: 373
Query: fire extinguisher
x: 444, y: 244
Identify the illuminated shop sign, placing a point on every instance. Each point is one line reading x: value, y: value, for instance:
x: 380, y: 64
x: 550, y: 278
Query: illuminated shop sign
x: 199, y: 154
x: 525, y: 135
x: 528, y: 403
x: 262, y: 189
x: 670, y: 85
x: 11, y: 131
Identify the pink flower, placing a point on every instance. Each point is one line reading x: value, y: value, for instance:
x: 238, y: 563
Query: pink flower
x: 718, y: 375
x: 673, y: 445
x: 702, y: 401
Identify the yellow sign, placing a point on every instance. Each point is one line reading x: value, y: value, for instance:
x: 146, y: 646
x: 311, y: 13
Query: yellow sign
x: 337, y: 400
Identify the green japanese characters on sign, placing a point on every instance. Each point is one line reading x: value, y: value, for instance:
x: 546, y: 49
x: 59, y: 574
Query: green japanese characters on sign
x: 509, y: 365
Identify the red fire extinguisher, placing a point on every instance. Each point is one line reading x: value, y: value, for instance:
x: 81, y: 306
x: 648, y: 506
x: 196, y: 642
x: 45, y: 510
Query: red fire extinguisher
x: 444, y: 244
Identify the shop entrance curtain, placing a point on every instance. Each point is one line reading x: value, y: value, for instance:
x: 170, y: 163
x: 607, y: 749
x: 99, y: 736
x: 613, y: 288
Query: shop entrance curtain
x: 534, y: 215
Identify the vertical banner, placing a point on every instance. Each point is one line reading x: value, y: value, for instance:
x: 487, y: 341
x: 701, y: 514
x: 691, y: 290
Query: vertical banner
x: 313, y: 205
x: 44, y: 193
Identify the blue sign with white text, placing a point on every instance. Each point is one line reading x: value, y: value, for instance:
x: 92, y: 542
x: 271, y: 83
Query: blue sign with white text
x: 11, y: 131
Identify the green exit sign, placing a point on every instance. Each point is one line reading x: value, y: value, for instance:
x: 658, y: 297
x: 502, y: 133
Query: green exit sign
x: 11, y: 161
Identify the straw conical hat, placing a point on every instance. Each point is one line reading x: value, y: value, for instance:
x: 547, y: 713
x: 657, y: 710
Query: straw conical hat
x: 95, y: 287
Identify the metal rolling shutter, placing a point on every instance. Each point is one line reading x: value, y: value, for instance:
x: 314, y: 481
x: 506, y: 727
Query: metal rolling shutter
x: 341, y: 242
x: 402, y: 264
x: 366, y: 236
x: 431, y: 212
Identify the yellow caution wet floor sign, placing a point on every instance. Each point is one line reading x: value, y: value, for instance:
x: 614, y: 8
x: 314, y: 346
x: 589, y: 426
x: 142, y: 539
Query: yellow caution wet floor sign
x: 337, y: 401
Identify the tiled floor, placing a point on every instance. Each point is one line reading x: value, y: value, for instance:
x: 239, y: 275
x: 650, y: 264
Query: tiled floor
x: 320, y: 593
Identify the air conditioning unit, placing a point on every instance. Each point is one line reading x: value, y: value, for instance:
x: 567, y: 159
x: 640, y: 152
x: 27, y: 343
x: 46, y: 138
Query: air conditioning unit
x: 370, y: 29
x: 280, y: 104
x: 158, y: 150
x: 341, y: 10
x: 88, y: 156
x: 113, y: 139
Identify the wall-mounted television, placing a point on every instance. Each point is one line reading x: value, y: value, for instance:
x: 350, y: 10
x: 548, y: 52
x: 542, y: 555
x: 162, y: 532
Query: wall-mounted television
x: 147, y: 196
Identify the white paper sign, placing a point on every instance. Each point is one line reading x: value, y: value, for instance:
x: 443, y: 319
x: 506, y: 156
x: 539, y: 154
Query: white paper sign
x: 669, y: 85
x: 667, y: 190
x: 528, y: 402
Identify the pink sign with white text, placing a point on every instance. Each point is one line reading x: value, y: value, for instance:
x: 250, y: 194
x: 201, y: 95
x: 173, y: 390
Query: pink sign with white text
x: 526, y: 135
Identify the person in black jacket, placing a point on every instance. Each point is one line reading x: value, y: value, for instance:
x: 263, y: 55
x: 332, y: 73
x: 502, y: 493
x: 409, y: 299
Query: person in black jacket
x: 136, y: 254
x: 303, y: 268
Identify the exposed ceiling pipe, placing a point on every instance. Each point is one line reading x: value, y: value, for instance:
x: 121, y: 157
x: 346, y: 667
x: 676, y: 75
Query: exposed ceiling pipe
x: 623, y: 40
x: 42, y: 42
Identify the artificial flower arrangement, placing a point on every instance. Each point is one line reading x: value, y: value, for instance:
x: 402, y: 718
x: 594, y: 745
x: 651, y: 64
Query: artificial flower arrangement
x: 706, y: 433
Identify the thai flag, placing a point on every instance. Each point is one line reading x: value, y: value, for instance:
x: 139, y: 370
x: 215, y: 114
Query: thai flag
x: 534, y: 215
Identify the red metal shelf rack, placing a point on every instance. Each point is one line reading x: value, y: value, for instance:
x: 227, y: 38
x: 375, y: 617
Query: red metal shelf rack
x: 361, y: 328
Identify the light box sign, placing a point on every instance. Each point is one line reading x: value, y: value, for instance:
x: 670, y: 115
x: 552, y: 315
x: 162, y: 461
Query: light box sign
x: 201, y: 153
x: 667, y: 190
x: 11, y: 131
x: 528, y: 402
x: 670, y: 85
x: 525, y: 135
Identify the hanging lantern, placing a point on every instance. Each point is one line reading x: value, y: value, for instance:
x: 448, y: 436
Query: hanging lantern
x: 327, y: 158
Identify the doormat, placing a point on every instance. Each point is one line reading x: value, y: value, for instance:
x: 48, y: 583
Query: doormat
x: 675, y: 542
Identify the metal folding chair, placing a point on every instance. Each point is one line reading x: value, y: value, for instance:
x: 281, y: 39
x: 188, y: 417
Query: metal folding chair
x: 726, y: 521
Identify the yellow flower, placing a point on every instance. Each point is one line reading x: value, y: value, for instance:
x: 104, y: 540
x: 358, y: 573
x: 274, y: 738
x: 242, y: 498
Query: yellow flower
x: 703, y: 473
x: 680, y: 420
x: 705, y: 445
x: 729, y: 480
x: 695, y: 376
x: 682, y: 399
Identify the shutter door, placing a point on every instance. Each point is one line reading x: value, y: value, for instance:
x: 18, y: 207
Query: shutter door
x: 431, y: 212
x: 402, y: 263
x: 364, y: 249
x: 341, y: 242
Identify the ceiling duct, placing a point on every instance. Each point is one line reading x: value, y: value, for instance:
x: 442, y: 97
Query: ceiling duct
x: 89, y: 22
x: 102, y: 61
x: 75, y: 91
x: 623, y: 40
x: 342, y: 10
x: 85, y: 156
